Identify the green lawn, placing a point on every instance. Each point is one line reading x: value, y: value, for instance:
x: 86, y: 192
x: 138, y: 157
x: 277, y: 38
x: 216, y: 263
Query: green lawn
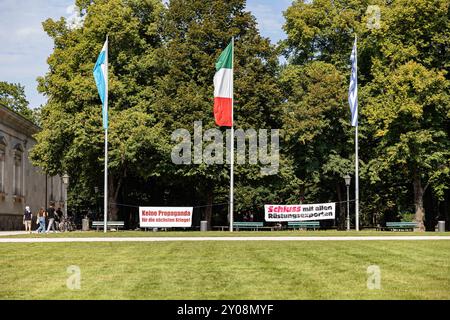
x: 226, y: 270
x: 310, y: 233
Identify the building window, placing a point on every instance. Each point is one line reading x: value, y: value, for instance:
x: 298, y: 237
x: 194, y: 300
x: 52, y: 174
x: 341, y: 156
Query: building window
x: 17, y: 172
x: 2, y: 169
x: 2, y: 163
x: 17, y: 175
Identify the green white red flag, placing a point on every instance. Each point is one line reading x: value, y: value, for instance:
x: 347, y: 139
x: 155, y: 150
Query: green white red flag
x: 223, y: 88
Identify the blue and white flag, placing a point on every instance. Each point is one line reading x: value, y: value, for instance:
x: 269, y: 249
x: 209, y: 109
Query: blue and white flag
x: 353, y: 90
x: 101, y: 79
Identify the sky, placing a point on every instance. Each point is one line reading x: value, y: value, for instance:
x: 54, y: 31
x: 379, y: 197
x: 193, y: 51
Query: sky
x: 25, y: 46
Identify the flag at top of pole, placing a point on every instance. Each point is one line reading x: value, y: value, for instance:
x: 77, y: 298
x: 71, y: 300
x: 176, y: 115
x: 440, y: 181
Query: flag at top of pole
x: 353, y: 90
x: 101, y: 79
x: 223, y: 88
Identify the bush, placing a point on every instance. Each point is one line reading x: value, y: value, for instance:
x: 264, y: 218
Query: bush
x: 407, y: 217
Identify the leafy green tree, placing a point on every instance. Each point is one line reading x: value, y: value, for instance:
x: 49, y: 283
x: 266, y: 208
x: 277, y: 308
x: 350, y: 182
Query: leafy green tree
x: 403, y: 71
x: 12, y: 96
x: 195, y: 32
x: 320, y: 38
x: 323, y: 30
x: 410, y: 109
x: 410, y: 30
x: 72, y: 136
x: 317, y: 129
x: 161, y: 79
x: 407, y: 99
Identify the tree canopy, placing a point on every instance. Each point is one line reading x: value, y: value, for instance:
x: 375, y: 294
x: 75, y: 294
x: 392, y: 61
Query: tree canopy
x: 12, y: 96
x: 403, y: 77
x: 161, y: 69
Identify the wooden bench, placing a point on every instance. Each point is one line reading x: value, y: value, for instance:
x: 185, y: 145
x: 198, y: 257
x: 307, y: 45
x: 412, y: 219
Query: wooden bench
x: 303, y: 225
x: 109, y: 224
x: 401, y: 226
x: 250, y: 225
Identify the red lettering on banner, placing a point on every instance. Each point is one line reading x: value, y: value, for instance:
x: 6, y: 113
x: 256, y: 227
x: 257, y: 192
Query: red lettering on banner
x: 148, y: 213
x: 284, y: 209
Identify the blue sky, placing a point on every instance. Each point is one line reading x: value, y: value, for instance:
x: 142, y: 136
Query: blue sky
x: 25, y: 47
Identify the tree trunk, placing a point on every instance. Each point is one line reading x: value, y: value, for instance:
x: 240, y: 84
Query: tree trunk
x: 418, y: 202
x: 113, y: 196
x: 209, y: 208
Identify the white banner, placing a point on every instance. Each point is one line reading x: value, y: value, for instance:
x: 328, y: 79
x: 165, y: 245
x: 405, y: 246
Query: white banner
x: 301, y: 212
x: 165, y: 217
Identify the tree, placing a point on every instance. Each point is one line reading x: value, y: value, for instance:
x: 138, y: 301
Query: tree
x: 12, y: 96
x: 161, y: 79
x: 403, y: 71
x: 410, y: 109
x: 323, y: 30
x: 194, y: 34
x: 317, y: 129
x: 72, y: 136
x: 410, y: 30
x: 407, y: 99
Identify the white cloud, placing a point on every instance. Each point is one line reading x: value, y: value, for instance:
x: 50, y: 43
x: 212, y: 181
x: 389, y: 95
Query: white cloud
x: 74, y: 20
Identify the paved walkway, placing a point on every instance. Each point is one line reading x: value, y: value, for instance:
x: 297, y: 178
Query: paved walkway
x: 12, y: 233
x: 168, y: 239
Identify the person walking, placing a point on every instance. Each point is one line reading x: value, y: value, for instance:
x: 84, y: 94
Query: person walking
x: 58, y: 218
x: 51, y: 218
x: 41, y: 218
x: 27, y: 216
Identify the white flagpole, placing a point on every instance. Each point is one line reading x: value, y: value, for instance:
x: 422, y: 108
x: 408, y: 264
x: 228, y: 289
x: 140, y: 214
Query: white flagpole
x: 232, y: 142
x: 356, y: 150
x: 356, y: 180
x: 106, y: 144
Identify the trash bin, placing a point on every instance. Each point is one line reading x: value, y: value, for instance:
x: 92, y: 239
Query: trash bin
x: 203, y: 225
x: 441, y: 226
x: 85, y: 224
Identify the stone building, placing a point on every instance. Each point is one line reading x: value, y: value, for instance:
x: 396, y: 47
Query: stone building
x: 22, y: 184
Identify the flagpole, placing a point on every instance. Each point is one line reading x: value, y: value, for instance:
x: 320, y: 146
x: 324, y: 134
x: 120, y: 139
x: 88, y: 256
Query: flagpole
x: 356, y: 152
x: 106, y: 143
x: 232, y: 142
x: 356, y: 180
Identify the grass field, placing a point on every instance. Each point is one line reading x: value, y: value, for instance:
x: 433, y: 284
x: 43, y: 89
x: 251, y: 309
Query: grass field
x: 226, y: 270
x: 319, y: 233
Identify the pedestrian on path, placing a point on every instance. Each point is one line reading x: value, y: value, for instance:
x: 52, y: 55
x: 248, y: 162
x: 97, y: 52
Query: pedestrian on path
x: 27, y: 216
x: 41, y: 218
x: 51, y: 218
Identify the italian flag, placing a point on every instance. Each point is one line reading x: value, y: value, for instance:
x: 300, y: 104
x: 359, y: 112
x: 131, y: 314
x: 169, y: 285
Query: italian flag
x: 223, y: 88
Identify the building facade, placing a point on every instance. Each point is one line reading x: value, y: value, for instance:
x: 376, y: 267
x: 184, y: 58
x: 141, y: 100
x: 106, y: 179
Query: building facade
x: 22, y: 184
